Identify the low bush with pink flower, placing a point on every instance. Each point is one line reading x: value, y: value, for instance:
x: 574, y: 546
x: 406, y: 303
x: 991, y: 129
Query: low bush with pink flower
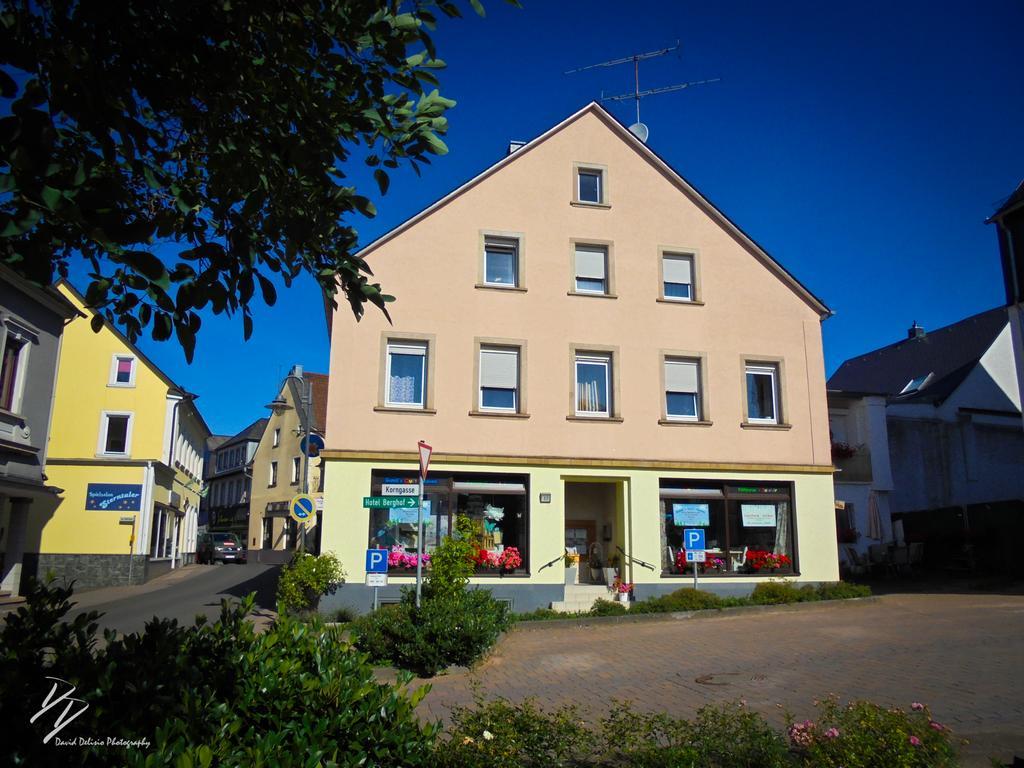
x: 862, y: 735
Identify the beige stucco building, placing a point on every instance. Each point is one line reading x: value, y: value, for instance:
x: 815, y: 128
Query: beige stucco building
x: 278, y: 469
x: 600, y: 358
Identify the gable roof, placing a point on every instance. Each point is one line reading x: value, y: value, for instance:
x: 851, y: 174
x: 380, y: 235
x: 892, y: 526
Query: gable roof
x: 646, y: 152
x: 252, y: 432
x: 64, y: 283
x: 1016, y: 197
x: 948, y: 354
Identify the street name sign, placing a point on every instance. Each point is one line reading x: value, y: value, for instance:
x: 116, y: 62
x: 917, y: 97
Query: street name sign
x: 400, y: 489
x: 389, y: 502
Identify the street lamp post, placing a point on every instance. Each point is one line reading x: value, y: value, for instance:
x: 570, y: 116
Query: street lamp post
x: 279, y: 405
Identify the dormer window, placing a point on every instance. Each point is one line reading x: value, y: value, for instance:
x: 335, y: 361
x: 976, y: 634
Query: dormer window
x: 915, y: 384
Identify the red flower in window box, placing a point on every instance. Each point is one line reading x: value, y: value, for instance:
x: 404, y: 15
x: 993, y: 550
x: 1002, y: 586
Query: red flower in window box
x: 763, y: 560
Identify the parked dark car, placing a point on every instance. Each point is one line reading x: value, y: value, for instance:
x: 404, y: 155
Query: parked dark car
x: 226, y: 547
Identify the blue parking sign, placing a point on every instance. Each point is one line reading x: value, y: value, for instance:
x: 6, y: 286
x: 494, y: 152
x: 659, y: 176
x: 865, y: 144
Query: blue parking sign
x: 693, y: 538
x: 376, y: 561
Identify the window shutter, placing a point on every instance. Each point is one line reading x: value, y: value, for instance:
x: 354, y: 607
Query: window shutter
x: 499, y: 369
x: 678, y: 269
x: 407, y: 348
x: 590, y: 262
x: 681, y: 376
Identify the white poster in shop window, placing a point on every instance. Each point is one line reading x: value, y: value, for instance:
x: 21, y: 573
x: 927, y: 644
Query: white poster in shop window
x: 758, y: 515
x: 691, y: 515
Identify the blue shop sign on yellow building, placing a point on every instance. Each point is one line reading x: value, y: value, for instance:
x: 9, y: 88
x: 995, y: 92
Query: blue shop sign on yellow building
x: 110, y: 497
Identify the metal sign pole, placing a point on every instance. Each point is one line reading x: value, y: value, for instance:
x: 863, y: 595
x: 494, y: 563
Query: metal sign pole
x: 419, y: 546
x: 695, y: 574
x: 376, y: 601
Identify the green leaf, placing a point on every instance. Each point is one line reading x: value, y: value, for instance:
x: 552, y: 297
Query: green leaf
x: 478, y: 7
x: 268, y: 290
x: 50, y: 197
x: 145, y: 264
x: 383, y: 182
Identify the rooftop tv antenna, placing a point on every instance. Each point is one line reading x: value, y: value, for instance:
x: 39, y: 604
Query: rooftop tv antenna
x: 639, y: 129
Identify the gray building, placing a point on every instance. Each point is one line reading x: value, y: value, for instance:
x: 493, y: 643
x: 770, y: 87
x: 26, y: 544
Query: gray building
x: 32, y: 323
x: 228, y: 479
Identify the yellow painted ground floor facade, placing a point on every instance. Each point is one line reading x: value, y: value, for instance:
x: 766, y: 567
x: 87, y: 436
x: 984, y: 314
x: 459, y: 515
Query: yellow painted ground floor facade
x: 112, y: 524
x: 759, y: 521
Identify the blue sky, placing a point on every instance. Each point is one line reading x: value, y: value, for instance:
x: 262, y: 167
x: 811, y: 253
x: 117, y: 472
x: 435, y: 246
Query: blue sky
x: 862, y: 145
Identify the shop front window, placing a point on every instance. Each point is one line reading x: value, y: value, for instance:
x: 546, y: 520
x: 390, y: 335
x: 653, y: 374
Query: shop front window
x: 748, y: 528
x: 496, y: 507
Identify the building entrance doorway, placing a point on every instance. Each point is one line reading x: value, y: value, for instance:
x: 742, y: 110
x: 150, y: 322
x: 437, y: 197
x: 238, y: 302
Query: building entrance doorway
x: 593, y: 525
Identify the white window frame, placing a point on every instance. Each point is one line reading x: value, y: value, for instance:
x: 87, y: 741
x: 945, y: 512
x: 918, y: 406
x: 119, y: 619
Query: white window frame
x: 761, y: 370
x: 277, y: 437
x: 272, y: 479
x: 397, y: 347
x: 606, y: 287
x: 512, y: 351
x: 497, y: 243
x: 296, y: 469
x: 11, y: 327
x: 582, y: 171
x: 592, y: 358
x: 112, y: 380
x: 698, y: 395
x: 101, y: 445
x: 665, y: 257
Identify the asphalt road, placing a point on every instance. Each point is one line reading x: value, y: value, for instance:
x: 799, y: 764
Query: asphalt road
x: 182, y: 595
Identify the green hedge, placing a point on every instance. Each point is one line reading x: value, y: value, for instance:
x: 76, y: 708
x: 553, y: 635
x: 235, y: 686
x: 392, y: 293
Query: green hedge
x: 208, y: 694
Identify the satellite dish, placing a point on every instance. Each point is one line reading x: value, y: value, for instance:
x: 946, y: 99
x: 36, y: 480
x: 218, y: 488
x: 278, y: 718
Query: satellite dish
x: 640, y: 131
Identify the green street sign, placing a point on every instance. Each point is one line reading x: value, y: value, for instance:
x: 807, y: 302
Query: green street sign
x: 389, y: 502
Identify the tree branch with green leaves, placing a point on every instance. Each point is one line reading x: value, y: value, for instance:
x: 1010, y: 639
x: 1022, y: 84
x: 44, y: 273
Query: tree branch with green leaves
x: 196, y: 153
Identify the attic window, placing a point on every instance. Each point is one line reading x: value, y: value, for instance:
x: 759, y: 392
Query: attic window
x: 915, y: 384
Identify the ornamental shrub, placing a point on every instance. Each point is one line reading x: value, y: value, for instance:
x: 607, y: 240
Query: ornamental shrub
x: 782, y: 592
x: 207, y: 694
x: 449, y: 628
x: 863, y: 735
x: 307, y: 578
x: 604, y: 607
x: 451, y: 563
x: 685, y: 599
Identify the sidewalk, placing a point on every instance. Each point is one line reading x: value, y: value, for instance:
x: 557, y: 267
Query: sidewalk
x: 92, y: 597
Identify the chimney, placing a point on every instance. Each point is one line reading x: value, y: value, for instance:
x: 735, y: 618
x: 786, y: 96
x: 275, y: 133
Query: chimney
x: 915, y: 331
x: 513, y: 146
x: 297, y: 371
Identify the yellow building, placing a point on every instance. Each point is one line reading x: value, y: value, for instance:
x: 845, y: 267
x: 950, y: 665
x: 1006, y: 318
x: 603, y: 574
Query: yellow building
x: 279, y: 471
x: 126, y: 450
x: 605, y: 361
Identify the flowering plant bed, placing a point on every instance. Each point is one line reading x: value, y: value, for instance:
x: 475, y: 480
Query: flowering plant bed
x: 621, y: 587
x: 399, y: 558
x: 763, y: 560
x: 507, y: 560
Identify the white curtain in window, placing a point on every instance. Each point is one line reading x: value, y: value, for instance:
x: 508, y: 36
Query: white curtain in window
x: 782, y: 528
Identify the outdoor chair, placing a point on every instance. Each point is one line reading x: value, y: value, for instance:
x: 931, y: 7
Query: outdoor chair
x: 738, y: 563
x: 878, y: 555
x: 855, y: 562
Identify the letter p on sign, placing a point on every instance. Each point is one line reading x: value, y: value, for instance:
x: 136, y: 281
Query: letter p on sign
x: 376, y: 561
x: 694, y: 538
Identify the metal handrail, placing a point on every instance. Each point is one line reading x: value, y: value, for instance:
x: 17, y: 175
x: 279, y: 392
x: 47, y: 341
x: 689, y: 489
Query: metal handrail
x: 636, y: 560
x: 548, y: 565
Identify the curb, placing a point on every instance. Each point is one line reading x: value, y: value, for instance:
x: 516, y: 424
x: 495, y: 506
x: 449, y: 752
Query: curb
x: 707, y: 613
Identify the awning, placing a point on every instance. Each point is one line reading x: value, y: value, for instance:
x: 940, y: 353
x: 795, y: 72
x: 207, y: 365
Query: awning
x: 510, y: 489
